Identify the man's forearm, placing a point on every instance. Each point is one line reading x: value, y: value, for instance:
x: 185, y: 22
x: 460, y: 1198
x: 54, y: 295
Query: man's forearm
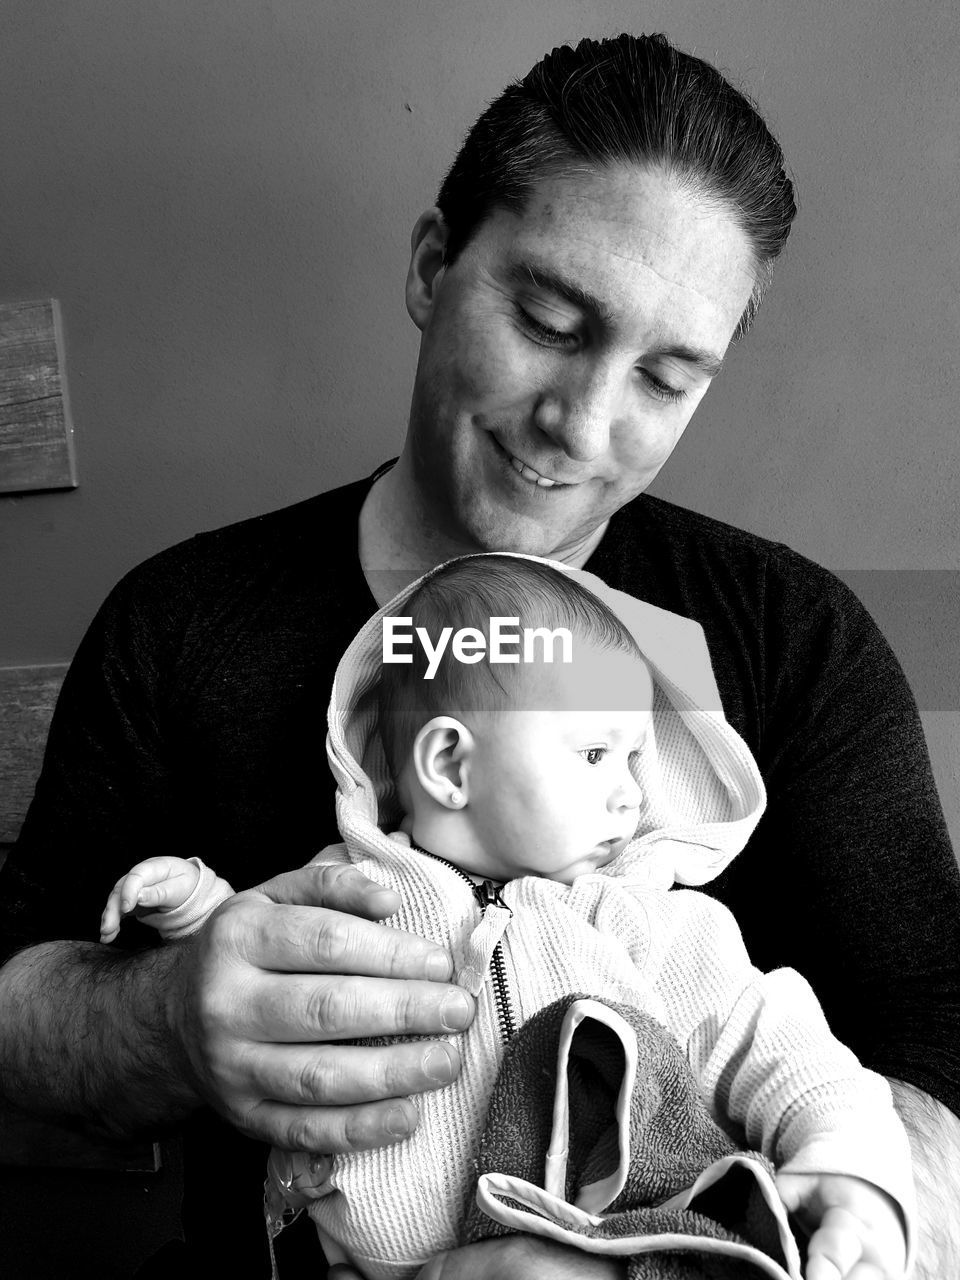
x: 934, y: 1134
x: 85, y: 1038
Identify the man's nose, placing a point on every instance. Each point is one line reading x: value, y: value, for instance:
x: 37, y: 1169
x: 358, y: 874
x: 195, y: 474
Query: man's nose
x: 578, y: 411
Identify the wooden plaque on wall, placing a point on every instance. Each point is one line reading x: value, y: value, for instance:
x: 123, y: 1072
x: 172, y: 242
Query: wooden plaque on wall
x: 36, y: 434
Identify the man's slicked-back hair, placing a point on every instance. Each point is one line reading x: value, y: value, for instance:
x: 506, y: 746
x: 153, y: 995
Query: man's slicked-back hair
x: 628, y: 99
x: 467, y: 593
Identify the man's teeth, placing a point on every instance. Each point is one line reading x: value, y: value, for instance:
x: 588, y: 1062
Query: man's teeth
x: 528, y: 473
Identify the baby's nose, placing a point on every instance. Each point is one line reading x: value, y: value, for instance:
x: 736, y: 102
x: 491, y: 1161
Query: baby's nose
x: 628, y: 795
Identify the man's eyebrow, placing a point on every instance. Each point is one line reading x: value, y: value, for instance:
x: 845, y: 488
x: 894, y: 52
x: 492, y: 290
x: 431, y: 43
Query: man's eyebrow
x: 526, y: 273
x: 708, y: 361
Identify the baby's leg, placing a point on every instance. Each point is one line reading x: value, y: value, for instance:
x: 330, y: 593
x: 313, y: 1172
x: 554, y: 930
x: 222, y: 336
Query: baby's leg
x: 157, y: 884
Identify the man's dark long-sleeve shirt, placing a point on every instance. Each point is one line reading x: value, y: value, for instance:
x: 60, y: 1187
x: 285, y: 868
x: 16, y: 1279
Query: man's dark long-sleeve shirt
x: 192, y: 721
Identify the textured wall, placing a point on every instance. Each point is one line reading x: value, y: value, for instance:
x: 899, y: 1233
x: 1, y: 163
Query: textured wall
x: 221, y: 196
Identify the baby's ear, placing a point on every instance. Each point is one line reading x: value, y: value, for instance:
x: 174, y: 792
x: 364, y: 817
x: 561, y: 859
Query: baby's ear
x: 440, y: 758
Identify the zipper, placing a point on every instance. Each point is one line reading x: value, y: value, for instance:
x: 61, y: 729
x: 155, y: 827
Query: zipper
x: 488, y: 894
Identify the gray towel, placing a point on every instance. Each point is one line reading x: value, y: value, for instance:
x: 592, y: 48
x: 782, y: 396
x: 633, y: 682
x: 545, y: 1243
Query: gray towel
x: 729, y: 1227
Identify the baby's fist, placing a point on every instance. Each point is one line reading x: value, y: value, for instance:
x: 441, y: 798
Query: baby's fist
x: 856, y: 1230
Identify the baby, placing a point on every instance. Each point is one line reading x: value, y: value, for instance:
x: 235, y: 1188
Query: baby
x: 540, y: 809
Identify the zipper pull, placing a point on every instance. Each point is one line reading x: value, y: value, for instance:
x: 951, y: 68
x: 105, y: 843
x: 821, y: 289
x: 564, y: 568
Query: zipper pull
x: 488, y: 895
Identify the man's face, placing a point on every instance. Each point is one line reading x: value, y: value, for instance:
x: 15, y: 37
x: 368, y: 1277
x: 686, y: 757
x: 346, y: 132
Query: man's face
x: 563, y: 354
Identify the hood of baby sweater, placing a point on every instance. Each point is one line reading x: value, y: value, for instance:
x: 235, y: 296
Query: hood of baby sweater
x: 703, y: 794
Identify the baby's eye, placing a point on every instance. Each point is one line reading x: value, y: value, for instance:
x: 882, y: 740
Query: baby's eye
x: 593, y: 755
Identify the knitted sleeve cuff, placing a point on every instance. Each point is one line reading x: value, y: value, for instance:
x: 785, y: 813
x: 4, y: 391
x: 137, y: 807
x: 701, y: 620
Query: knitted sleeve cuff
x: 209, y: 891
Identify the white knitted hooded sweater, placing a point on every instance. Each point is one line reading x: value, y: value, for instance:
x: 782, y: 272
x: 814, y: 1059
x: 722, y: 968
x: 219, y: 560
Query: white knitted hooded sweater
x: 769, y: 1069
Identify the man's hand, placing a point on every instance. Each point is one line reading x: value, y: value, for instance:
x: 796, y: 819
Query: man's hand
x: 279, y: 977
x: 857, y: 1230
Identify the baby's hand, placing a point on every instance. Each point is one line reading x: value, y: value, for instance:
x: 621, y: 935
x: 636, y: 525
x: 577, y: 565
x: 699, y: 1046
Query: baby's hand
x: 158, y: 884
x: 297, y: 1178
x: 857, y: 1229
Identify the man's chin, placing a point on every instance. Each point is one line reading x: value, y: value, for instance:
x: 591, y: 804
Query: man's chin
x: 544, y: 548
x: 506, y: 530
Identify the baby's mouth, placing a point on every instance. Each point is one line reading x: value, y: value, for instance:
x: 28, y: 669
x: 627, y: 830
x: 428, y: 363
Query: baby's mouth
x: 617, y: 844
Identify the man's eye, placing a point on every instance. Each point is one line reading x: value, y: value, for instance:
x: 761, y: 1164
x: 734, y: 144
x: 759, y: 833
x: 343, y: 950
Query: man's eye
x: 593, y: 755
x: 542, y: 332
x: 662, y: 390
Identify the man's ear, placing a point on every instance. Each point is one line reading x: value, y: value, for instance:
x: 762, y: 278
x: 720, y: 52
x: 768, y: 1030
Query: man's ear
x: 442, y: 751
x: 426, y: 269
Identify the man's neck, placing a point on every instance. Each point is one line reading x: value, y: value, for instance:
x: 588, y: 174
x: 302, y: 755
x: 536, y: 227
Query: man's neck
x: 397, y: 545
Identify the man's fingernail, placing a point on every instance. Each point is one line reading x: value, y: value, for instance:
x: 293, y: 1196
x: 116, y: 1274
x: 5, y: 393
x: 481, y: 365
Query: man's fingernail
x: 397, y: 1124
x: 455, y: 1012
x: 438, y: 966
x: 437, y: 1064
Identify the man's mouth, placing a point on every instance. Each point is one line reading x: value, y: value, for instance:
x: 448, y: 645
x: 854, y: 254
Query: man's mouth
x: 533, y: 477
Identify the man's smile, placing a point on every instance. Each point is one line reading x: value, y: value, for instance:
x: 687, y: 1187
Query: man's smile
x: 530, y: 474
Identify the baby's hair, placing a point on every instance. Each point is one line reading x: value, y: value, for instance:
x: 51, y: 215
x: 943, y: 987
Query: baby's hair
x: 467, y: 593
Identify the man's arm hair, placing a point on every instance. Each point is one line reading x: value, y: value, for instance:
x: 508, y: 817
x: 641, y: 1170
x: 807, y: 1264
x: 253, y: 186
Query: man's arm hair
x: 85, y: 1038
x: 934, y: 1133
x: 248, y: 1016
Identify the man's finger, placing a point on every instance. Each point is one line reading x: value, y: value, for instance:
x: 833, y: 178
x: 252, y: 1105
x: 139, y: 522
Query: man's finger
x: 343, y: 1075
x: 338, y: 886
x: 298, y: 939
x: 333, y: 1129
x: 306, y: 1009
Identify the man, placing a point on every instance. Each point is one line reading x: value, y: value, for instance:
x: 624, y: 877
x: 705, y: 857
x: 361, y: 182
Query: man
x: 604, y: 234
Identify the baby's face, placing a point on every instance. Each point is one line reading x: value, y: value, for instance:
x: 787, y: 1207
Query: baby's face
x: 551, y: 792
